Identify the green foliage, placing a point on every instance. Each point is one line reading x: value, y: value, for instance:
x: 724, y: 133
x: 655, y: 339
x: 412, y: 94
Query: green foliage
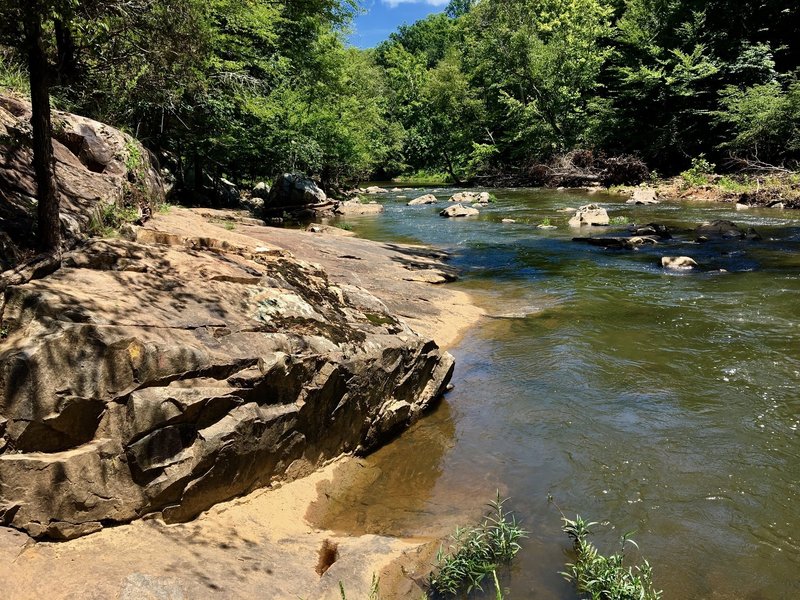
x: 13, y: 76
x: 111, y: 218
x: 619, y: 220
x: 249, y: 89
x: 601, y: 577
x: 133, y: 157
x: 764, y: 120
x: 729, y: 184
x: 476, y: 552
x: 699, y: 172
x: 424, y: 177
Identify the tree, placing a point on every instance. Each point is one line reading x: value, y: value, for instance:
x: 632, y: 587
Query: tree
x: 26, y: 27
x: 764, y: 121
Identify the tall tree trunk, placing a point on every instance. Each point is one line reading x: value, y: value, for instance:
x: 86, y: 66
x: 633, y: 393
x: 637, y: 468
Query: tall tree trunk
x: 49, y: 223
x: 67, y: 67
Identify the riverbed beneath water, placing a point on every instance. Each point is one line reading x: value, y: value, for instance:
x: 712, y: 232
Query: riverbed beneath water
x: 665, y: 403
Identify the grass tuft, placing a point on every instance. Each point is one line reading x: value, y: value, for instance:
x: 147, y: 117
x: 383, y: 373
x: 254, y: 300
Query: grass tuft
x: 602, y: 577
x: 476, y: 552
x: 13, y: 76
x: 111, y: 218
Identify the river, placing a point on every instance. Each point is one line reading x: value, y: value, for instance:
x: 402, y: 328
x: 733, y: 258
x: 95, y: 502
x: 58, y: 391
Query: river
x: 665, y: 403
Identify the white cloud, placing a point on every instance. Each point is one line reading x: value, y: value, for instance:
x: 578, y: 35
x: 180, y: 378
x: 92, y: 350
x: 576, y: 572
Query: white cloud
x: 393, y: 3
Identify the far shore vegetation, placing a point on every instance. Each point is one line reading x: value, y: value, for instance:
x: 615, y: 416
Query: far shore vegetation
x: 486, y: 92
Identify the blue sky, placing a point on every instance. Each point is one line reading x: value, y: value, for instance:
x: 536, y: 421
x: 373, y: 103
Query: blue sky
x: 382, y: 17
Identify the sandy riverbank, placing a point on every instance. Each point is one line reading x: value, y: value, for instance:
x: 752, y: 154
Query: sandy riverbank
x: 260, y: 545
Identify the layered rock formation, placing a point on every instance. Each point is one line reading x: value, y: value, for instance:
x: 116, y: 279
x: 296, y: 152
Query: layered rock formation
x: 168, y: 376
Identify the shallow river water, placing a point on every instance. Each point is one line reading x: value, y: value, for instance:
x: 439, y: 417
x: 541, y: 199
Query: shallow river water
x: 665, y: 403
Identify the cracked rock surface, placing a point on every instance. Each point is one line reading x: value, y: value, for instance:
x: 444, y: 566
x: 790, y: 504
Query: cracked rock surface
x: 171, y: 373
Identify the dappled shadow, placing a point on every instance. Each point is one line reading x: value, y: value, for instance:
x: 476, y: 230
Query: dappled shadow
x: 102, y: 439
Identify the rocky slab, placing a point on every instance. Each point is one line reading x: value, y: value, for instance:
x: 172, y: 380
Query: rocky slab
x: 177, y: 371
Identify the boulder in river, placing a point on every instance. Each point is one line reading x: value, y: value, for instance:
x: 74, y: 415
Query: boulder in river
x: 618, y: 242
x: 356, y: 207
x: 678, y: 263
x: 426, y: 199
x: 471, y: 197
x: 644, y: 196
x: 720, y: 229
x: 374, y: 189
x: 459, y: 210
x: 591, y: 214
x: 652, y: 229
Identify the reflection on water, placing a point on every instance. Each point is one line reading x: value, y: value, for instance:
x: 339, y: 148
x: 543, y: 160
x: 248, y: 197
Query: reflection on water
x: 665, y: 403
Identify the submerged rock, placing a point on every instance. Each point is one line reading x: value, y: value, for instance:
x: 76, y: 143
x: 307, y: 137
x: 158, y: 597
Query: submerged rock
x: 653, y: 229
x: 719, y: 229
x: 627, y: 243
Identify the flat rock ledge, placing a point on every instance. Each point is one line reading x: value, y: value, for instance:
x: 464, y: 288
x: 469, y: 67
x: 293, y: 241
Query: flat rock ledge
x: 173, y: 372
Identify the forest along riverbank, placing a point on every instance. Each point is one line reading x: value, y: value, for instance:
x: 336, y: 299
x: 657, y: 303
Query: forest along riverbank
x: 657, y: 401
x: 185, y: 274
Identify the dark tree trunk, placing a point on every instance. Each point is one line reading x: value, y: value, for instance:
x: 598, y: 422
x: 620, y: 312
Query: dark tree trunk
x: 450, y: 169
x: 67, y: 67
x: 198, y: 173
x: 49, y: 223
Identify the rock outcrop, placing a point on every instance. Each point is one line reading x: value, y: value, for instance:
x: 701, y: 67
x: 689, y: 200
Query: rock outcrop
x: 173, y: 372
x: 96, y: 166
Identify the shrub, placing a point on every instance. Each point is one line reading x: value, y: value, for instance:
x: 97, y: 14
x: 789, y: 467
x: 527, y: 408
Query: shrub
x: 699, y: 172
